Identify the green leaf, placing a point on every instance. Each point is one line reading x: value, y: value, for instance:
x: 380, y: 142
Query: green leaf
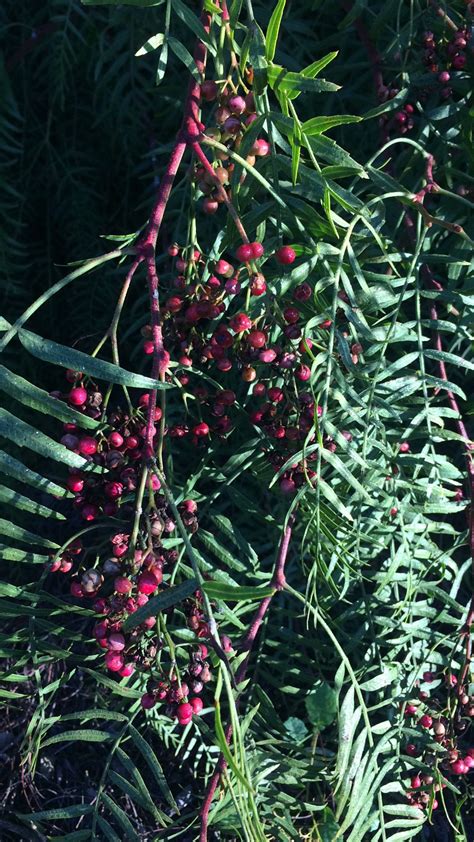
x: 228, y: 593
x: 446, y: 357
x: 29, y: 395
x: 161, y: 602
x: 296, y: 729
x: 152, y: 44
x: 155, y: 767
x: 14, y: 554
x: 185, y: 56
x: 321, y: 705
x: 193, y: 23
x: 25, y: 504
x: 13, y: 468
x: 257, y: 57
x: 52, y: 352
x: 286, y: 81
x: 120, y: 816
x: 273, y: 29
x: 20, y: 534
x: 24, y: 435
x: 318, y: 125
x: 84, y: 735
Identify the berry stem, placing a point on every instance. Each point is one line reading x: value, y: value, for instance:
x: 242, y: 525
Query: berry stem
x: 222, y: 192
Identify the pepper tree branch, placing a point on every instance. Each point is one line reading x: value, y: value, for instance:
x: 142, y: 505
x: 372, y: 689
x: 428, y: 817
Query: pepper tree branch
x: 278, y: 582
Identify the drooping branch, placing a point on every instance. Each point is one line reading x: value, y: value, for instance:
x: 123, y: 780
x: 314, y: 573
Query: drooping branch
x: 278, y: 582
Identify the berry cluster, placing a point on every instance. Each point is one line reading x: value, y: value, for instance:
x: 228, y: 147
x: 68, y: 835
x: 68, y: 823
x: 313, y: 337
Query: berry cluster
x: 442, y: 56
x: 127, y: 571
x: 204, y: 326
x: 444, y: 723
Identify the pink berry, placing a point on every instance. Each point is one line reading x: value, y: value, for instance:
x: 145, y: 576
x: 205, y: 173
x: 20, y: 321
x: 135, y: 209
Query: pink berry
x: 184, y: 713
x: 285, y: 255
x: 261, y: 148
x: 75, y: 483
x: 425, y: 721
x: 412, y: 750
x: 209, y: 90
x: 113, y: 490
x: 122, y: 585
x: 116, y: 642
x: 257, y: 250
x: 224, y: 268
x: 115, y: 439
x: 288, y: 486
x: 209, y: 206
x: 267, y: 355
x: 196, y: 704
x: 415, y: 782
x: 256, y: 338
x: 404, y: 447
x: 127, y: 669
x: 237, y: 104
x: 244, y: 253
x: 77, y: 396
x: 444, y: 77
x: 458, y: 767
x: 147, y: 583
x: 201, y: 429
x: 114, y: 661
x: 87, y: 446
x: 240, y: 322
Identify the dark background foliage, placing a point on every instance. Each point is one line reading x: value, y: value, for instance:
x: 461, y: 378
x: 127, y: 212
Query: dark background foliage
x: 84, y: 132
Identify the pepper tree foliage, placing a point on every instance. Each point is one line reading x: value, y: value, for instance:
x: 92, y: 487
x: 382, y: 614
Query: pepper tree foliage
x: 368, y: 634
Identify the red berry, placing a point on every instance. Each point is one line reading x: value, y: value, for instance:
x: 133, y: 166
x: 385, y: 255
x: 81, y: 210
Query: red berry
x: 127, y: 669
x: 412, y: 750
x: 302, y: 292
x: 303, y: 372
x: 285, y: 255
x: 201, y: 429
x: 196, y: 704
x: 209, y: 90
x: 415, y: 782
x: 89, y: 512
x: 113, y: 490
x: 459, y: 767
x: 122, y: 585
x: 77, y: 396
x: 209, y: 206
x: 261, y: 148
x: 291, y: 315
x: 224, y: 268
x: 87, y: 446
x: 147, y: 583
x: 404, y: 447
x: 184, y: 713
x: 114, y: 661
x: 257, y: 250
x: 256, y: 339
x: 237, y: 104
x: 288, y: 486
x: 75, y: 483
x: 258, y: 285
x: 147, y: 701
x: 244, y: 253
x: 425, y: 721
x: 240, y: 322
x: 115, y: 439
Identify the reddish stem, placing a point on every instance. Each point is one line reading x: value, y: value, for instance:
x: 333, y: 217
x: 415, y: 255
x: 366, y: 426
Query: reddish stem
x: 278, y: 582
